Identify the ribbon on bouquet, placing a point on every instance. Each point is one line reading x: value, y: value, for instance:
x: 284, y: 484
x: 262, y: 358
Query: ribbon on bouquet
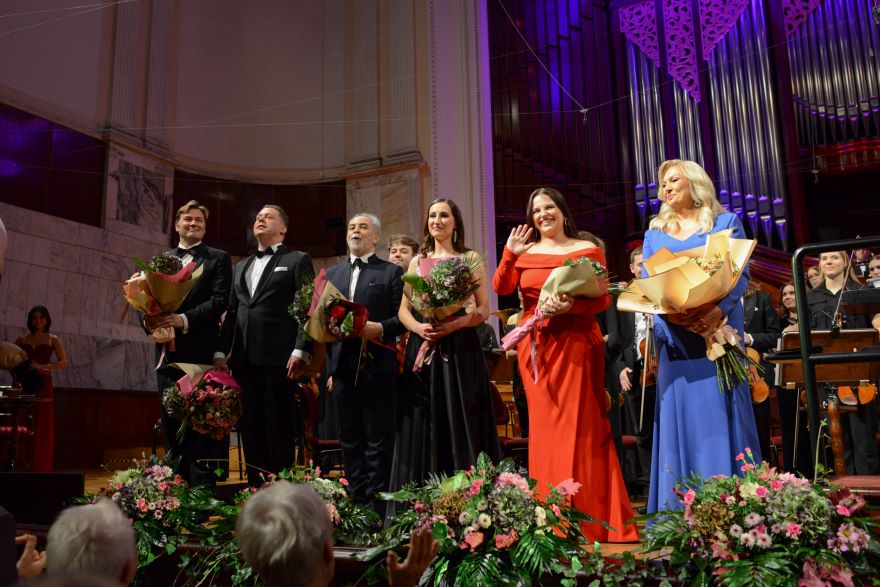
x: 512, y: 338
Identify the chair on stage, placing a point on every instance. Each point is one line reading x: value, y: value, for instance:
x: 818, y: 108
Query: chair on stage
x: 514, y: 447
x: 16, y: 428
x: 323, y: 452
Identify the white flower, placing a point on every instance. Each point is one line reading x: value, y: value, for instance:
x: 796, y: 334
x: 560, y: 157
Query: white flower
x: 540, y: 516
x: 484, y: 520
x: 464, y: 518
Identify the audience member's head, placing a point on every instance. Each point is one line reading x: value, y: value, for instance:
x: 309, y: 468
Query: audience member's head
x: 95, y: 539
x: 285, y: 535
x: 814, y: 276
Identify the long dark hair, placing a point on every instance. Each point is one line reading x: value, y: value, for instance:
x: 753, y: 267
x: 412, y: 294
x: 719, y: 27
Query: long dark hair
x: 457, y: 233
x: 558, y: 199
x: 42, y: 310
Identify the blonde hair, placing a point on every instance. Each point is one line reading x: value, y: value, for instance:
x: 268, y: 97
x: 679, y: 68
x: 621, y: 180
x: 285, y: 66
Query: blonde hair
x: 702, y: 193
x: 850, y: 275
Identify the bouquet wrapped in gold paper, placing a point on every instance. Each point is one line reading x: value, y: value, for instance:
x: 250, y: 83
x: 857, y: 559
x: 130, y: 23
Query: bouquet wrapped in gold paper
x: 161, y: 286
x: 680, y: 282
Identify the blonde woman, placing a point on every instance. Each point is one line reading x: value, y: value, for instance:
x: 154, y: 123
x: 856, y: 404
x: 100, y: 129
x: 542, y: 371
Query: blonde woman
x: 697, y: 429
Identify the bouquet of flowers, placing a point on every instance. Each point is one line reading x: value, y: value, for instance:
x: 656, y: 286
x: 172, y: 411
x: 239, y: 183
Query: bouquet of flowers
x: 686, y: 280
x: 492, y: 527
x: 438, y: 290
x: 579, y: 277
x: 766, y: 528
x: 206, y: 399
x: 329, y: 317
x: 161, y: 286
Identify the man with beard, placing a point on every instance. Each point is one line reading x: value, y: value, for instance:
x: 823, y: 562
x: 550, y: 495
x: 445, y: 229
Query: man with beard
x: 363, y: 372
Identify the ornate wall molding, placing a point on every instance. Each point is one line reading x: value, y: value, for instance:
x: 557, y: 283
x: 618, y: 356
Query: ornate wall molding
x: 717, y: 17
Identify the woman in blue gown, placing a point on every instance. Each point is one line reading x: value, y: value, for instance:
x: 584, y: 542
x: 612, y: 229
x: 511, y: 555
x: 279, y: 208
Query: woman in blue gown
x: 697, y: 428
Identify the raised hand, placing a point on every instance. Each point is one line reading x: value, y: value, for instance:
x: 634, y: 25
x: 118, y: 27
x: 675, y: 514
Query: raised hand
x: 422, y: 550
x: 518, y: 241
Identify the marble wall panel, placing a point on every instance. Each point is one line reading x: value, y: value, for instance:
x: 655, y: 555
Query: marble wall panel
x: 108, y: 363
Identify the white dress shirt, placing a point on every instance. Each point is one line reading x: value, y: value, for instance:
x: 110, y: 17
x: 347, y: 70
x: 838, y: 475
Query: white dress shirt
x: 355, y: 273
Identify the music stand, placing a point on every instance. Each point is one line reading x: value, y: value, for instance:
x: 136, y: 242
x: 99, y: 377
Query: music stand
x: 846, y: 341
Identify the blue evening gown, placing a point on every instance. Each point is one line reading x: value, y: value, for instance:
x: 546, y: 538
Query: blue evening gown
x: 697, y: 429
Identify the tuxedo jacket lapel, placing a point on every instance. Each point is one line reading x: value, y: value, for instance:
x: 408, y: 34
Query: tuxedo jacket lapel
x: 242, y: 277
x: 268, y: 270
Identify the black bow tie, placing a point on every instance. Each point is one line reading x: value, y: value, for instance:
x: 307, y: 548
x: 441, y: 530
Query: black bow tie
x: 358, y: 263
x: 193, y: 252
x: 268, y: 252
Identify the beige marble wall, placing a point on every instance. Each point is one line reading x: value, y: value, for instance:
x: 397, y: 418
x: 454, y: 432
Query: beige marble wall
x: 76, y: 271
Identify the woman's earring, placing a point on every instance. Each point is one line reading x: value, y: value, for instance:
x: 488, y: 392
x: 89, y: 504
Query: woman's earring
x: 454, y: 235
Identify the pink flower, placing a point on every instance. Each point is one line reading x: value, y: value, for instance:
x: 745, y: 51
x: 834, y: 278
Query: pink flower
x: 740, y: 457
x: 343, y: 481
x: 512, y: 480
x: 776, y: 485
x: 163, y: 486
x: 475, y: 487
x: 157, y: 514
x: 761, y: 491
x: 689, y: 497
x: 506, y: 540
x: 472, y: 540
x: 568, y: 487
x: 555, y: 509
x: 793, y: 530
x: 841, y: 509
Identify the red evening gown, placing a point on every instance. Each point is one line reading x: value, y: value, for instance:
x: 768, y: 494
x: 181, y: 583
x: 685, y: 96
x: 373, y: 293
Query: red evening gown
x: 569, y: 431
x: 44, y: 413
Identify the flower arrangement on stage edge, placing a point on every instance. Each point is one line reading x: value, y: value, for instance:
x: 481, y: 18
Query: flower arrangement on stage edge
x: 766, y: 528
x: 492, y: 527
x: 159, y: 504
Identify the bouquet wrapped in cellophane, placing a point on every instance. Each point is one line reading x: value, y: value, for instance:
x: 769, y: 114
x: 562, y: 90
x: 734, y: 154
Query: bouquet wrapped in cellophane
x: 161, y: 286
x: 329, y: 316
x: 581, y: 277
x: 438, y: 290
x: 683, y: 281
x: 206, y: 399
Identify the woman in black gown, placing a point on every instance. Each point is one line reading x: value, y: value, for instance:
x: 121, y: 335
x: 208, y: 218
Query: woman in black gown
x: 446, y: 409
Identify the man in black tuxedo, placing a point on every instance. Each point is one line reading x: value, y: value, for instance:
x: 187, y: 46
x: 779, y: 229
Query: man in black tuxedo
x: 364, y: 383
x: 196, y: 328
x: 265, y: 347
x: 630, y: 330
x: 762, y: 332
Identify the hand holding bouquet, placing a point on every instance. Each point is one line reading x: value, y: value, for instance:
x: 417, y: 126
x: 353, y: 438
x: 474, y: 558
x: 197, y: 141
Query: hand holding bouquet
x: 161, y: 286
x: 438, y: 290
x: 206, y: 399
x: 578, y: 277
x: 325, y: 313
x: 686, y: 286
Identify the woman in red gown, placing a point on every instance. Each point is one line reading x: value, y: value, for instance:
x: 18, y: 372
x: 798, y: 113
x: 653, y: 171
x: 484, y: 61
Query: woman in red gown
x: 569, y: 431
x: 40, y: 346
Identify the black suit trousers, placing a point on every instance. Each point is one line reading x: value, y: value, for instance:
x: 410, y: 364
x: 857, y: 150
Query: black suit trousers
x: 269, y: 422
x: 367, y: 414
